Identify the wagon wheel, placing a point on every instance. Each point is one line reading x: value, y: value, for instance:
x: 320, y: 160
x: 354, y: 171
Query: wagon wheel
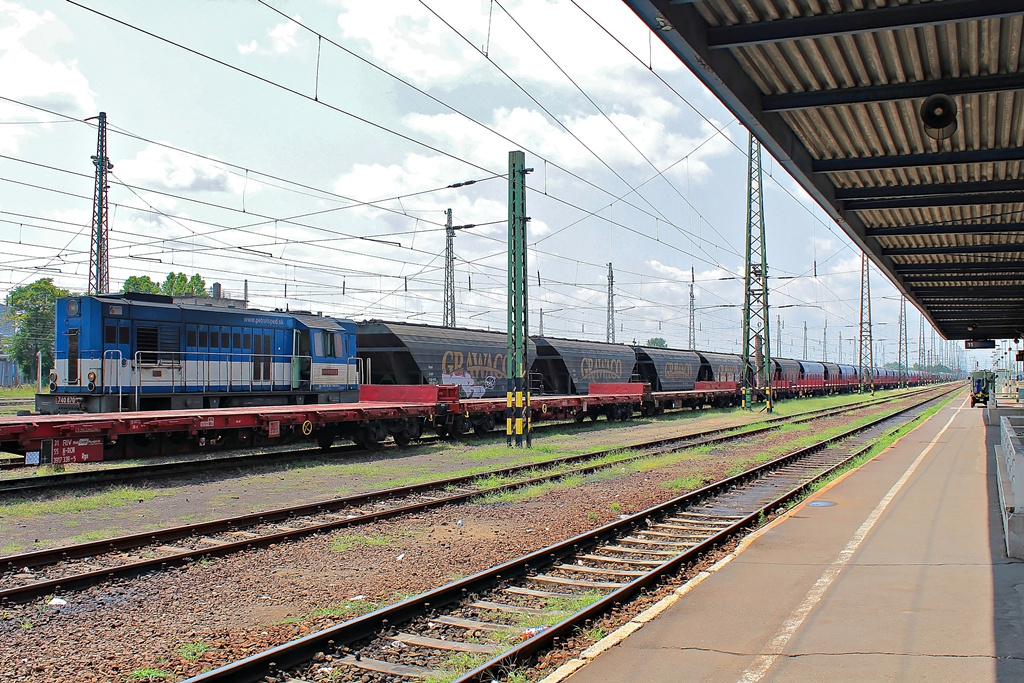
x: 484, y: 426
x: 365, y: 438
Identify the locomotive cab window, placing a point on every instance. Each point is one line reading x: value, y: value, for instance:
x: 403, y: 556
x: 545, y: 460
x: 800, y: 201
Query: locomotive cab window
x: 329, y: 344
x: 190, y: 339
x: 110, y: 333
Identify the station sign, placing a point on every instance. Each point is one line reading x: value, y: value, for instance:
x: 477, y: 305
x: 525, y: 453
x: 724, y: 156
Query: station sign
x: 980, y: 344
x: 65, y: 451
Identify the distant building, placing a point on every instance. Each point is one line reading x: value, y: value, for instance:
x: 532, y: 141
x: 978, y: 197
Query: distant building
x: 9, y: 375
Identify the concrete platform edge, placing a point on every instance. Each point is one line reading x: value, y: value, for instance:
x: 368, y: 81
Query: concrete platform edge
x: 636, y: 623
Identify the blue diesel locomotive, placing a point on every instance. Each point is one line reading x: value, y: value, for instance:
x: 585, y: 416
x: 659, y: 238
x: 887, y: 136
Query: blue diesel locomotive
x: 117, y: 352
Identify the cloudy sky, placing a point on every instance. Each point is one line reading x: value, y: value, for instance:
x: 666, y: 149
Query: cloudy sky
x: 307, y: 148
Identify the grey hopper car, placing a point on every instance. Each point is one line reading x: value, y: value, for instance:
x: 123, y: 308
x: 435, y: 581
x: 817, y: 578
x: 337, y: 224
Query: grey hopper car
x: 403, y: 353
x: 569, y: 366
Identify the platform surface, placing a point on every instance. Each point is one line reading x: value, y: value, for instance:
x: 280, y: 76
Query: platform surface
x: 923, y: 593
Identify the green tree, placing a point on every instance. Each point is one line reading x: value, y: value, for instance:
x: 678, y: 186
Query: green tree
x: 657, y: 343
x: 179, y: 284
x: 197, y: 285
x: 32, y: 308
x: 141, y: 283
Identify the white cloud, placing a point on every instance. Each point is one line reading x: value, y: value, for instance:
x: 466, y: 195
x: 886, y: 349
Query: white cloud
x: 408, y: 40
x: 161, y: 168
x: 282, y: 36
x: 282, y: 39
x: 483, y: 203
x: 530, y: 128
x: 26, y: 76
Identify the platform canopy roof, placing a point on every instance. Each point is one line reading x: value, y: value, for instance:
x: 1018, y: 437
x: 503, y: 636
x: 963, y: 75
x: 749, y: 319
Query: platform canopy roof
x: 834, y: 89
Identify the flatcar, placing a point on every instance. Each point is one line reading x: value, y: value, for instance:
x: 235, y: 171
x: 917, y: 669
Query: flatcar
x: 137, y: 351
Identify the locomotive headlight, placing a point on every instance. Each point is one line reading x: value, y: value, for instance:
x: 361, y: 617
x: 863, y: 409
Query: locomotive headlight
x: 92, y: 376
x: 92, y: 381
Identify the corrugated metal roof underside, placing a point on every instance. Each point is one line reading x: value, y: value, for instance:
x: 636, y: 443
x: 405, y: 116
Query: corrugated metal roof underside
x: 833, y: 88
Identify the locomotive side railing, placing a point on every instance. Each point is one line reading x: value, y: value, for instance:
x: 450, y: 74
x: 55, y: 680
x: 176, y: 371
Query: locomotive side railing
x: 192, y: 371
x: 117, y: 369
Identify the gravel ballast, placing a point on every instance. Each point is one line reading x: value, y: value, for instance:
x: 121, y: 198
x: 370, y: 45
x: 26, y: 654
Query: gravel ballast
x: 183, y: 621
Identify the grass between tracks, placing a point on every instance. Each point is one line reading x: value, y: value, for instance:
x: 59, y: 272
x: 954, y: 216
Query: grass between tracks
x: 346, y: 542
x: 114, y: 497
x: 793, y: 436
x: 24, y: 395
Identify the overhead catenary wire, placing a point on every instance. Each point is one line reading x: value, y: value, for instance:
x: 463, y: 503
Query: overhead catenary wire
x: 477, y: 122
x: 677, y: 250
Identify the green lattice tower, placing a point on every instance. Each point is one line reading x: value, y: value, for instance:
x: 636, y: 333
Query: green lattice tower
x: 865, y: 359
x: 757, y: 372
x: 517, y: 406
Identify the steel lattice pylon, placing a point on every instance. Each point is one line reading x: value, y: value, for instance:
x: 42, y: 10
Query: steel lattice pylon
x: 904, y: 350
x: 693, y: 332
x: 757, y: 365
x: 449, y: 272
x: 99, y: 263
x: 920, y: 344
x: 824, y: 343
x: 609, y: 334
x: 865, y: 359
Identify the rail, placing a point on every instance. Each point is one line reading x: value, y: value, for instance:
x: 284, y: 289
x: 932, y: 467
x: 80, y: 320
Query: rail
x: 685, y: 528
x: 448, y: 491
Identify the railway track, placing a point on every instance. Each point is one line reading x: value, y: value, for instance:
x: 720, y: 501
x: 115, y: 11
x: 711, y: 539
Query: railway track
x: 29, y: 575
x: 95, y: 477
x: 503, y: 616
